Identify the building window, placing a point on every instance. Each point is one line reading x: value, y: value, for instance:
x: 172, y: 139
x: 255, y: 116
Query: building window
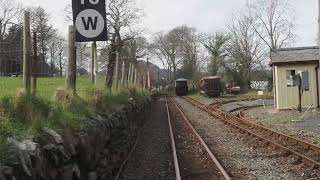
x: 290, y: 77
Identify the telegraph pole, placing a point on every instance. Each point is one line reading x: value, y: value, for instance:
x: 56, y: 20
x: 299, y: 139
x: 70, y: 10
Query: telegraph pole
x: 72, y: 63
x: 26, y: 53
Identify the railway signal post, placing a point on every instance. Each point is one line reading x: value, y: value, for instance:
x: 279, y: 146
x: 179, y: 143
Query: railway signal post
x: 89, y: 19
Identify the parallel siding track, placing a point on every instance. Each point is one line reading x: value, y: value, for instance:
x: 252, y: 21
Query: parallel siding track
x: 307, y: 153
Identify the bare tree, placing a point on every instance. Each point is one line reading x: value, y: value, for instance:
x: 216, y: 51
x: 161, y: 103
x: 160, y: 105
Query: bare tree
x: 123, y: 14
x: 245, y: 50
x: 83, y: 57
x: 273, y: 21
x: 9, y: 10
x: 167, y: 46
x: 188, y: 50
x: 60, y: 48
x: 45, y: 32
x: 216, y: 45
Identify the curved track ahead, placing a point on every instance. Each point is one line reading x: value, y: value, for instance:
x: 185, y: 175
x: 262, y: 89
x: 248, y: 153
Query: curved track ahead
x: 308, y: 153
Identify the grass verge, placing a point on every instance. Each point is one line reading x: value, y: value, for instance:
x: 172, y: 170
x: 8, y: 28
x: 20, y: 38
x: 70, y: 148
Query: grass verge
x: 22, y: 115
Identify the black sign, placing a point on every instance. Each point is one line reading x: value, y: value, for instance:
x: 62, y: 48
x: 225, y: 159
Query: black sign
x: 89, y: 18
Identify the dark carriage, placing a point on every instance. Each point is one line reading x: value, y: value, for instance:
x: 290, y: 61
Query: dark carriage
x: 181, y: 86
x: 211, y: 86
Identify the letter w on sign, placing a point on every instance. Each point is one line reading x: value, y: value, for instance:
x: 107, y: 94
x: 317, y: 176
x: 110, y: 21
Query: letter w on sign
x: 89, y: 18
x: 89, y: 22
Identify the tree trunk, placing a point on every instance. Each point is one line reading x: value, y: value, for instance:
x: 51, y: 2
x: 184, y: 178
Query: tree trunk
x: 112, y: 62
x: 34, y: 64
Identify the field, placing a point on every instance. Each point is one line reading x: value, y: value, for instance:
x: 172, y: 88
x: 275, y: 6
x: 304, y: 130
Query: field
x: 46, y: 86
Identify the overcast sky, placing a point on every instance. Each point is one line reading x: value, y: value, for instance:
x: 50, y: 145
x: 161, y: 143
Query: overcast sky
x: 205, y: 15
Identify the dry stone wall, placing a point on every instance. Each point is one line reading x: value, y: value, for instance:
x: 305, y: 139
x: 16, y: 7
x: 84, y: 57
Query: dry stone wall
x: 92, y: 153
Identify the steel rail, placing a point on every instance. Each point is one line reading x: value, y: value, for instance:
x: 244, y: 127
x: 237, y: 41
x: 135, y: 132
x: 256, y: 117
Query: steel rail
x: 173, y: 144
x: 226, y: 118
x: 203, y: 143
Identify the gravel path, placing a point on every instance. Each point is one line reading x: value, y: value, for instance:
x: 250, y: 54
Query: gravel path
x: 153, y: 157
x: 237, y: 152
x: 235, y: 105
x: 304, y: 125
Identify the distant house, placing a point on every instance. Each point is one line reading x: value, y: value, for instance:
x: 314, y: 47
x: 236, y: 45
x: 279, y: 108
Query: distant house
x: 287, y: 63
x: 82, y: 72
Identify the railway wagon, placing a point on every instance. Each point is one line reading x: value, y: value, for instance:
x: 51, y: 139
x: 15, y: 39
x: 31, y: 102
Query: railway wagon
x: 211, y: 86
x: 181, y: 87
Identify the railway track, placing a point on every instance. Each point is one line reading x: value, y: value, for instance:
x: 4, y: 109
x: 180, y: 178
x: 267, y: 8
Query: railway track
x: 192, y: 157
x: 307, y: 153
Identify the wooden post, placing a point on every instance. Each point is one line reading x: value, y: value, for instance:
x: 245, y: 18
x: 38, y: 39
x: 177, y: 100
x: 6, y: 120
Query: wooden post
x: 96, y: 68
x: 27, y: 53
x: 93, y: 62
x: 72, y: 63
x: 144, y: 85
x: 133, y: 73
x: 300, y: 93
x: 130, y: 73
x: 52, y: 60
x: 148, y: 75
x: 34, y: 64
x: 169, y: 74
x: 123, y: 73
x: 135, y: 76
x: 116, y: 77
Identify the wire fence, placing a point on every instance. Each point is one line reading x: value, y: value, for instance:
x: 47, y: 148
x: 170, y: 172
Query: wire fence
x: 46, y: 67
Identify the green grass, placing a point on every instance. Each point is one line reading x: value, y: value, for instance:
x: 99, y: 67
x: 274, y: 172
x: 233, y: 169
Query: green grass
x: 46, y: 86
x: 23, y: 116
x: 52, y: 106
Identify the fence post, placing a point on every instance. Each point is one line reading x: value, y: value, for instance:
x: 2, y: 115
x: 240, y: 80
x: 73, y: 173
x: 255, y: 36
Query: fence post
x: 93, y: 62
x: 96, y: 68
x: 34, y: 64
x: 136, y: 76
x: 123, y: 73
x: 133, y: 73
x: 116, y: 78
x: 26, y: 53
x: 148, y: 75
x: 72, y: 63
x: 129, y: 73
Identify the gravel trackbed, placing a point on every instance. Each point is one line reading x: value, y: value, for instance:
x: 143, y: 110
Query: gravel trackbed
x: 152, y: 158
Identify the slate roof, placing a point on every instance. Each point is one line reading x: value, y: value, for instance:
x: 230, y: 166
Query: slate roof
x: 211, y: 77
x: 298, y: 54
x: 181, y: 79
